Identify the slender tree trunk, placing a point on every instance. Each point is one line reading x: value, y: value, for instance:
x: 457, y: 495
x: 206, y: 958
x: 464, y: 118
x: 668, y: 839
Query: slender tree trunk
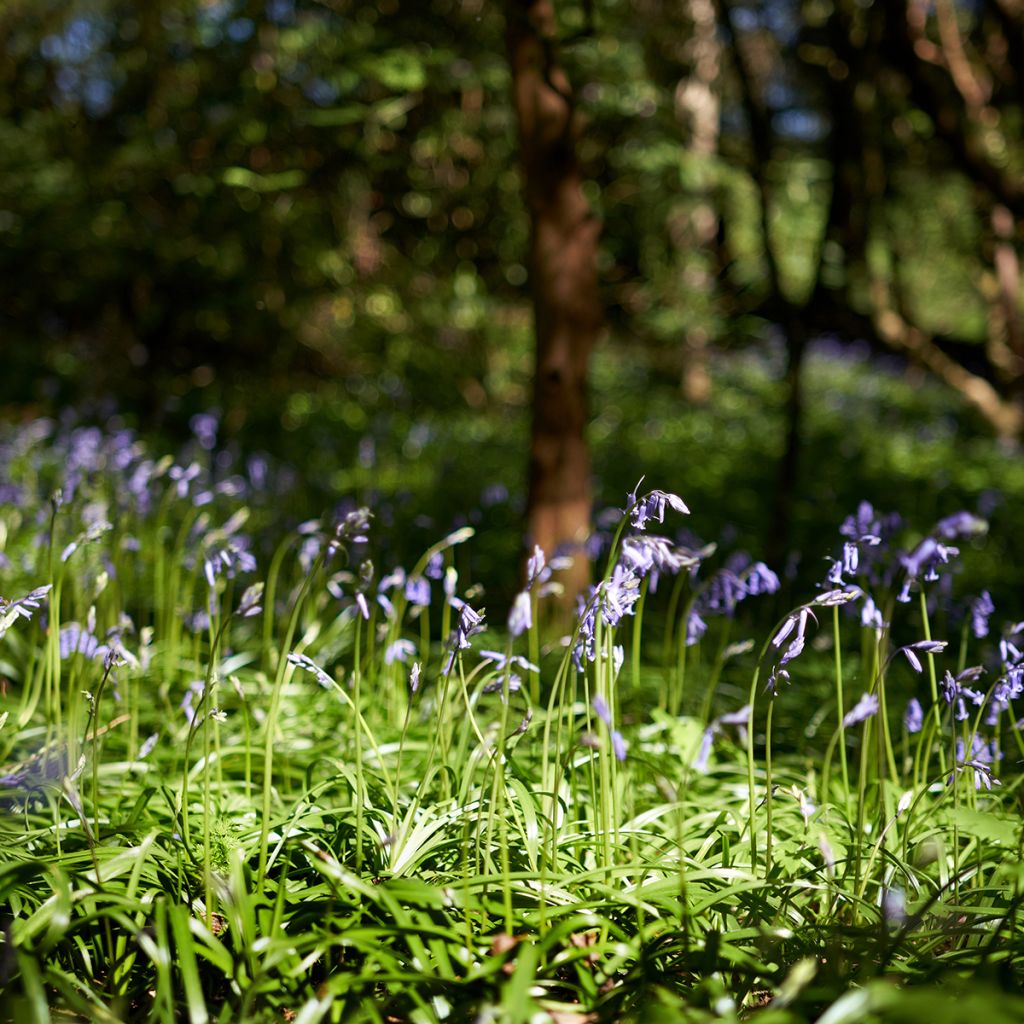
x: 563, y: 280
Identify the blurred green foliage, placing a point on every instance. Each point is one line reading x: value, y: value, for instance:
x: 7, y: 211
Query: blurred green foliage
x: 307, y: 215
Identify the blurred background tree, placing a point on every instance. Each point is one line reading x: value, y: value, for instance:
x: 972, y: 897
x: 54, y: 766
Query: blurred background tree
x: 310, y: 216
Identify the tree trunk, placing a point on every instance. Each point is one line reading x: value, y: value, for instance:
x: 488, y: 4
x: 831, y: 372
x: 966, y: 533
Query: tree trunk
x: 563, y: 280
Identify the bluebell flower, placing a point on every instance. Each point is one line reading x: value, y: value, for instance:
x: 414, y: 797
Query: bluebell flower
x: 864, y: 709
x: 76, y: 639
x: 696, y: 627
x: 956, y: 693
x: 500, y: 661
x: 21, y: 607
x: 960, y: 524
x: 520, y: 617
x: 651, y: 507
x: 204, y: 426
x: 470, y: 623
x: 417, y: 592
x: 252, y: 601
x: 981, y: 610
x: 870, y: 615
x: 414, y: 676
x: 925, y: 647
x: 980, y: 761
x: 611, y: 599
x: 739, y: 718
x: 401, y: 650
x: 913, y: 716
x: 183, y: 477
x: 307, y: 664
x: 227, y: 559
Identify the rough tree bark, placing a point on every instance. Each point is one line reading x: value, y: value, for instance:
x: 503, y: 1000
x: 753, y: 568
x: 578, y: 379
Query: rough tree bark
x: 563, y: 281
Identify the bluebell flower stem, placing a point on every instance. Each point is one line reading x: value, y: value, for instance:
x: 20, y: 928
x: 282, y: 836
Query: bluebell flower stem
x: 840, y: 704
x: 926, y: 627
x: 768, y: 784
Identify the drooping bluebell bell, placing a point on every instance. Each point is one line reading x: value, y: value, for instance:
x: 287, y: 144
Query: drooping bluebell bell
x: 611, y: 599
x: 696, y: 627
x: 864, y: 709
x: 76, y: 639
x: 501, y: 660
x: 981, y: 610
x: 871, y: 615
x: 603, y: 712
x: 307, y: 664
x: 401, y: 650
x: 520, y: 616
x: 739, y: 718
x: 21, y: 607
x: 469, y: 624
x: 925, y: 647
x: 417, y: 591
x: 227, y: 558
x: 651, y: 507
x: 252, y: 601
x: 980, y: 760
x: 956, y: 693
x: 913, y: 716
x: 960, y: 524
x: 204, y: 427
x: 1006, y: 690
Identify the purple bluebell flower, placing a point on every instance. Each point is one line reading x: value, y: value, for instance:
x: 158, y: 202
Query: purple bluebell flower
x: 435, y: 566
x: 861, y: 711
x: 401, y: 650
x: 696, y: 627
x: 76, y: 639
x: 648, y: 553
x: 602, y: 710
x: 980, y: 761
x: 252, y: 601
x: 227, y: 559
x: 913, y: 716
x: 498, y: 685
x: 195, y: 689
x: 981, y: 610
x: 612, y: 599
x: 1007, y: 689
x: 870, y: 615
x: 520, y: 617
x: 618, y: 745
x: 925, y: 647
x: 778, y: 675
x: 417, y: 591
x: 960, y: 524
x: 501, y: 660
x: 470, y: 623
x: 183, y: 477
x: 956, y: 693
x: 21, y: 607
x: 865, y: 527
x: 761, y: 580
x: 307, y: 664
x: 414, y: 676
x: 204, y: 426
x: 700, y: 762
x: 651, y: 507
x: 739, y: 718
